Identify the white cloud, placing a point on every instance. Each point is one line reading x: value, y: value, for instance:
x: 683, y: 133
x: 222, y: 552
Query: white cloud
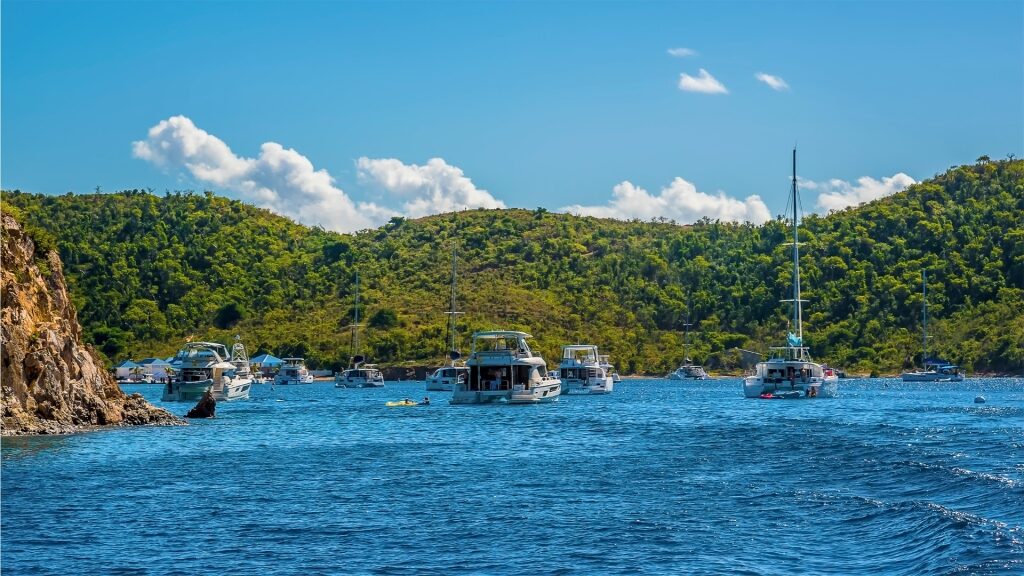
x: 704, y: 83
x: 680, y: 201
x: 774, y: 82
x: 837, y: 194
x: 681, y: 52
x: 429, y: 189
x: 280, y: 179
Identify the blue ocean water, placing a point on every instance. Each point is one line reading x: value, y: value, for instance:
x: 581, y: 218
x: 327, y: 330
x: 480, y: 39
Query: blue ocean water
x: 659, y: 477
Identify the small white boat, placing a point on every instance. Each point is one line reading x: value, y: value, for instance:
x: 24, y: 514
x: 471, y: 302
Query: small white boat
x: 445, y: 378
x: 293, y: 371
x: 688, y: 371
x: 609, y: 369
x: 503, y: 369
x: 360, y: 376
x: 581, y: 371
x: 935, y: 370
x: 205, y: 366
x: 790, y: 372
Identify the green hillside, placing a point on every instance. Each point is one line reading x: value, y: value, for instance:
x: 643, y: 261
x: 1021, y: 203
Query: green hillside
x: 148, y: 271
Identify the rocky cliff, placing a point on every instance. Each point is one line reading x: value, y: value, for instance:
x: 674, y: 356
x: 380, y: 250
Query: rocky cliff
x: 50, y: 383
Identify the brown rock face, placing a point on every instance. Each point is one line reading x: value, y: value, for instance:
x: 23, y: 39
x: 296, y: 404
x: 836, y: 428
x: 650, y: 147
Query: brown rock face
x: 205, y: 408
x: 50, y: 383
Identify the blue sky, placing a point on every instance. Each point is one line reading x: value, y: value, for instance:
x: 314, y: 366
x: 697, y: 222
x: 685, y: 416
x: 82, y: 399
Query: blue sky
x: 569, y: 105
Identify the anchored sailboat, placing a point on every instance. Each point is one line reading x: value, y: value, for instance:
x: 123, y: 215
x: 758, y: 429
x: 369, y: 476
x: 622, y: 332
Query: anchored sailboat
x: 935, y: 370
x: 790, y: 372
x: 444, y: 379
x: 358, y: 375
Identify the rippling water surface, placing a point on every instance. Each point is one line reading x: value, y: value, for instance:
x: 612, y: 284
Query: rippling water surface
x: 659, y: 477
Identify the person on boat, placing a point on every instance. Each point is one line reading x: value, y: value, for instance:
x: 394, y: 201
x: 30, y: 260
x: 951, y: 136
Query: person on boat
x: 426, y: 401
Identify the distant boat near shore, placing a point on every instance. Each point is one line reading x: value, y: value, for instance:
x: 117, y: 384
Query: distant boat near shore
x: 935, y: 370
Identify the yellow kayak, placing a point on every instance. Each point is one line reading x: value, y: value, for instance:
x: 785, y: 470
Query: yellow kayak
x: 394, y: 403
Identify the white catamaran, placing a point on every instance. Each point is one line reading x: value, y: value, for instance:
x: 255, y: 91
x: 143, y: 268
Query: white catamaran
x: 293, y: 371
x: 359, y: 374
x: 790, y: 372
x: 581, y: 371
x: 935, y: 370
x: 502, y: 369
x: 444, y: 378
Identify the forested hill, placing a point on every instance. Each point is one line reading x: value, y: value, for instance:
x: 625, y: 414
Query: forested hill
x: 148, y: 271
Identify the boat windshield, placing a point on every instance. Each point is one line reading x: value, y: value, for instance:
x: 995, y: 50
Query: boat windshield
x: 511, y: 343
x: 580, y: 354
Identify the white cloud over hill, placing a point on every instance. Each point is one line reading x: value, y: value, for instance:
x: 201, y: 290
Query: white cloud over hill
x: 679, y: 201
x: 837, y: 194
x: 286, y: 182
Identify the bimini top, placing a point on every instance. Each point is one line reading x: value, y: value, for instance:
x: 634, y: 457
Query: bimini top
x: 201, y: 349
x: 573, y: 351
x: 497, y: 344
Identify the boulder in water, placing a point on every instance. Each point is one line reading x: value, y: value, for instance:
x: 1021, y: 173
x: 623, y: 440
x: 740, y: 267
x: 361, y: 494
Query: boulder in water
x: 205, y: 408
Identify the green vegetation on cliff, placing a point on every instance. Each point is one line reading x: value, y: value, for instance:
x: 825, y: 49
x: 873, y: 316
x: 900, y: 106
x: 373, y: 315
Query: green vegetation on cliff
x: 149, y: 271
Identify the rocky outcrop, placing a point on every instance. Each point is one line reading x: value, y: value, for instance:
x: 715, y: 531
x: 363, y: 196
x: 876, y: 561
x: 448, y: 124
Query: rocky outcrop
x: 205, y: 408
x: 50, y: 383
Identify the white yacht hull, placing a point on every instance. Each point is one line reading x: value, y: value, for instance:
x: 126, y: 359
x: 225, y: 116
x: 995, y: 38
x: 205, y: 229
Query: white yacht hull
x: 353, y: 382
x: 291, y: 381
x: 756, y: 387
x: 589, y: 386
x: 440, y: 384
x: 931, y: 376
x: 226, y: 390
x: 519, y: 394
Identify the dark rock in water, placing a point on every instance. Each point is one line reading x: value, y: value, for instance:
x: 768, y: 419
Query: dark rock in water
x: 205, y: 408
x: 979, y: 399
x: 51, y: 382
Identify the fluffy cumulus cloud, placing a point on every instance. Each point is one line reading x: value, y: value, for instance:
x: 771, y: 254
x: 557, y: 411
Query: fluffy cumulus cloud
x: 680, y: 201
x: 279, y: 179
x: 773, y: 82
x: 681, y: 52
x: 837, y: 194
x: 432, y: 188
x: 703, y: 82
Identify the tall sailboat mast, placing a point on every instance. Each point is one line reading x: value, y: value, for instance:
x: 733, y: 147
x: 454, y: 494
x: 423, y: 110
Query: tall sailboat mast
x: 686, y: 342
x: 355, y: 325
x: 797, y: 303
x: 453, y: 314
x: 924, y: 317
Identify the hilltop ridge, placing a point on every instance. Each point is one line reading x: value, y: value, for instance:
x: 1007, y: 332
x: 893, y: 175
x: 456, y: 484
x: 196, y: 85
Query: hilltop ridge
x: 148, y: 271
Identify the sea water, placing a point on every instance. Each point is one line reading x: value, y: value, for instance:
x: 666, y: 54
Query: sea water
x: 659, y: 477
